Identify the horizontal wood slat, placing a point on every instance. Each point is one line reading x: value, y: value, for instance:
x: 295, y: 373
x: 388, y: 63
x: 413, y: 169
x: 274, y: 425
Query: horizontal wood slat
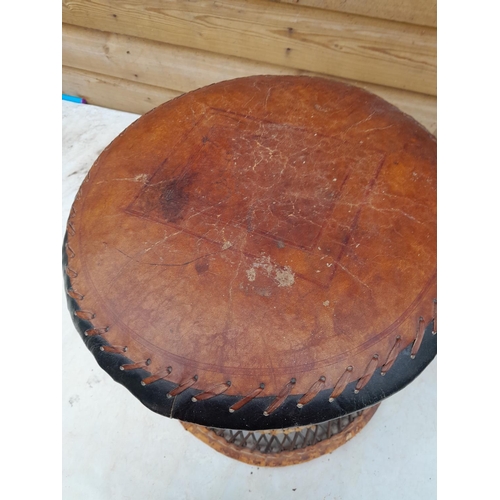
x: 355, y: 47
x: 180, y: 69
x: 422, y: 12
x: 155, y: 63
x: 114, y: 93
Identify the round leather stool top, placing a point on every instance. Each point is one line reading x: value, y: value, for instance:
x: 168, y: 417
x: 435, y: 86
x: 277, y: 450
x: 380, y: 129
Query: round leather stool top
x: 259, y: 254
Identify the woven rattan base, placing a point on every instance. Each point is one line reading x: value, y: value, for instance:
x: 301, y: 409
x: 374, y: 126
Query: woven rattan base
x: 279, y: 447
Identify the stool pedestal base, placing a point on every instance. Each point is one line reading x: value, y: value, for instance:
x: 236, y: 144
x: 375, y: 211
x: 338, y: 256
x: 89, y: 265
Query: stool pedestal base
x: 279, y: 447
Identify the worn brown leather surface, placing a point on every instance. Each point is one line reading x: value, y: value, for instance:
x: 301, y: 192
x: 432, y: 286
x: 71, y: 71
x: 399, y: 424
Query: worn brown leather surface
x: 257, y: 231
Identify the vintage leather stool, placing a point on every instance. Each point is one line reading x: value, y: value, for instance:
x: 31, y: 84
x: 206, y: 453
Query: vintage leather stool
x: 258, y: 260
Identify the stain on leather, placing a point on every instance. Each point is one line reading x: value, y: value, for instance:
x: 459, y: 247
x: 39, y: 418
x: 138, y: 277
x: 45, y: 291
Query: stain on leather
x: 175, y: 196
x: 201, y: 266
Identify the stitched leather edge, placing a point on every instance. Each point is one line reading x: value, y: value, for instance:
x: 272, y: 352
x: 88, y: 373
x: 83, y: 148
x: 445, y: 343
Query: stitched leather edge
x: 214, y: 412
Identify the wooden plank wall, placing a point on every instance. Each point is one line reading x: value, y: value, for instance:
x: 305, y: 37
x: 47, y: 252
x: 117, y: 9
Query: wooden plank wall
x: 137, y: 54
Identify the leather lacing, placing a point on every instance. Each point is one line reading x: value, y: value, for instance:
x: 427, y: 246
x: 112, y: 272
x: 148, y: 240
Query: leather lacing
x: 216, y: 390
x: 341, y: 384
x: 70, y: 229
x: 135, y: 366
x: 393, y: 354
x: 312, y: 392
x: 70, y: 250
x: 158, y: 376
x: 280, y: 398
x: 247, y: 398
x: 116, y: 349
x: 219, y: 389
x: 71, y: 272
x: 74, y: 294
x: 418, y: 337
x: 434, y: 315
x: 86, y: 315
x: 96, y: 331
x: 369, y: 371
x: 183, y: 386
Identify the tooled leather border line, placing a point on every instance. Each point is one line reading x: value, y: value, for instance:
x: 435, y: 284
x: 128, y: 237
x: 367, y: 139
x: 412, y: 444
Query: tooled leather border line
x: 253, y: 415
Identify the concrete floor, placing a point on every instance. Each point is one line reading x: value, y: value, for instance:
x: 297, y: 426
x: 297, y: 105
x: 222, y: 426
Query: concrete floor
x: 115, y: 448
